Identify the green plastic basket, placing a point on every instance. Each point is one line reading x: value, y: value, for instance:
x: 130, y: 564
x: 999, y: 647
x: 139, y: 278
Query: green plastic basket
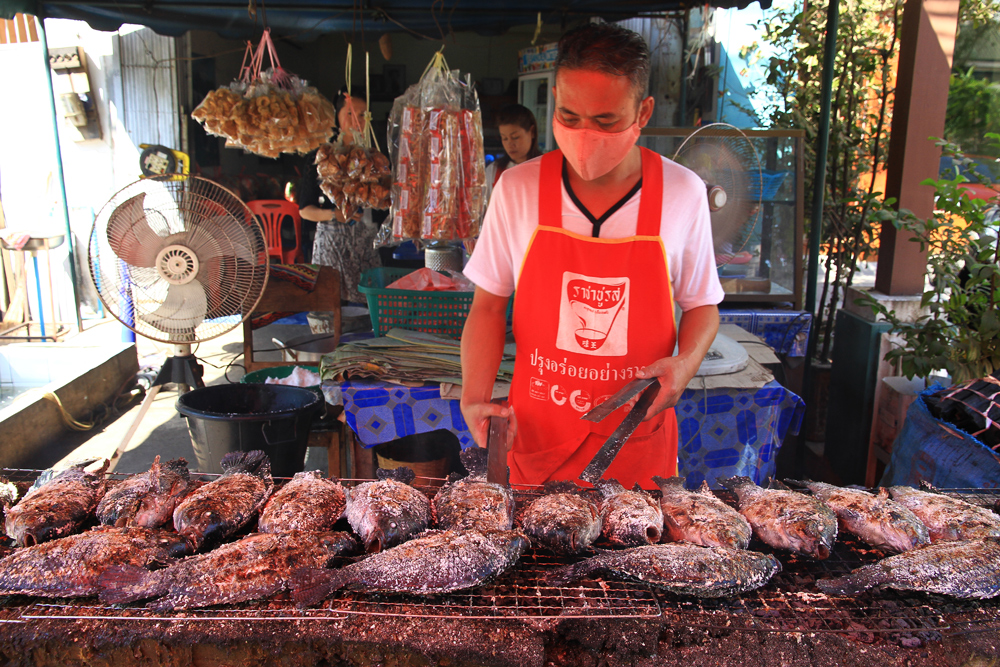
x: 440, y: 313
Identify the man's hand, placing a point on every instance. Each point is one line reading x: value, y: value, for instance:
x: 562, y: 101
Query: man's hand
x: 482, y: 349
x: 477, y: 417
x: 695, y: 334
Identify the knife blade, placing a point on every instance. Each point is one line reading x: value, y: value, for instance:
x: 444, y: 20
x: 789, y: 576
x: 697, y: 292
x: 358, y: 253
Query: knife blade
x: 609, y: 450
x: 497, y: 471
x: 618, y: 399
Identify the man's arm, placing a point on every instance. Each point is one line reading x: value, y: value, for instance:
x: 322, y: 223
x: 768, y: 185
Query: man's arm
x: 316, y: 214
x: 694, y: 336
x: 482, y: 349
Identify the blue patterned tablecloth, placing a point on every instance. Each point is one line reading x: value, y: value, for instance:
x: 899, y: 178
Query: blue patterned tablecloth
x: 723, y: 432
x: 787, y: 331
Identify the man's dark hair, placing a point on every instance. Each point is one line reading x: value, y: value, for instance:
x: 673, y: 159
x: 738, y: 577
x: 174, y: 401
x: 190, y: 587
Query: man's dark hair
x: 608, y: 48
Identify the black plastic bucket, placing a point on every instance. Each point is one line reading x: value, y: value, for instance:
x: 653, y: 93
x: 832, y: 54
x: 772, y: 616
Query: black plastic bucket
x: 275, y: 419
x: 433, y: 454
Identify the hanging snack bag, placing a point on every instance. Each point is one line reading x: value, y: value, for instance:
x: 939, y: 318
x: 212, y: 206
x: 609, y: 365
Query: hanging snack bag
x: 352, y: 172
x: 267, y: 112
x: 436, y: 142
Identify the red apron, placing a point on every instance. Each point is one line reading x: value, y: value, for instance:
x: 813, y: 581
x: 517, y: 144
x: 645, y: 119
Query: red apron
x: 589, y: 313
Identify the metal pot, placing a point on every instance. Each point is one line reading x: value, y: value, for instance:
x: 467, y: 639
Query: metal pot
x: 308, y: 349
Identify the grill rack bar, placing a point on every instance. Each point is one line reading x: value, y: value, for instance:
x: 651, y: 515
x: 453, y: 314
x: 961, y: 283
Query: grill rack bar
x: 789, y: 603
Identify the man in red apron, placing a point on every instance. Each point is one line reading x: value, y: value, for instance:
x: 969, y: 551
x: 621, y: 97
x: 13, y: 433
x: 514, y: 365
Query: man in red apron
x: 600, y: 239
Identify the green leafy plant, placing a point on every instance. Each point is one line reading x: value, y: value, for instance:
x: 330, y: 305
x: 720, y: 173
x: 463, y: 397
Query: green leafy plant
x: 961, y: 331
x: 973, y: 112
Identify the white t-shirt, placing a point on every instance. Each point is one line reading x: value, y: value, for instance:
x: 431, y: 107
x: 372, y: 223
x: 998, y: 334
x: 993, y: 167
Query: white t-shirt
x: 685, y: 228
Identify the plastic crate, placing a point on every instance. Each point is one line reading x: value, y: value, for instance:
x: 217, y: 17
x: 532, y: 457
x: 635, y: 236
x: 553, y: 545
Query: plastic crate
x: 440, y: 313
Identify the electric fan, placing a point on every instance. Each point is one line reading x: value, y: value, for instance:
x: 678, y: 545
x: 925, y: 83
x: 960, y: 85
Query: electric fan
x: 177, y: 261
x: 726, y: 160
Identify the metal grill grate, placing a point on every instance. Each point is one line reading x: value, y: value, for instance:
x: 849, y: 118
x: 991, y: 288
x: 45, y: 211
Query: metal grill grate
x: 790, y: 602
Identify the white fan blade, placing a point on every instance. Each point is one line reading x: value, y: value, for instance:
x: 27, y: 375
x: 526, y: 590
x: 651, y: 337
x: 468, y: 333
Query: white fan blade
x: 182, y: 310
x: 130, y: 236
x: 210, y: 239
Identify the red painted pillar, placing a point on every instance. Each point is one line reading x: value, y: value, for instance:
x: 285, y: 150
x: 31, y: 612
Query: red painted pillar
x: 926, y: 46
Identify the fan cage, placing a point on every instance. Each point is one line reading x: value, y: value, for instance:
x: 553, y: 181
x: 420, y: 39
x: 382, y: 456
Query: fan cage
x: 233, y: 285
x: 736, y: 167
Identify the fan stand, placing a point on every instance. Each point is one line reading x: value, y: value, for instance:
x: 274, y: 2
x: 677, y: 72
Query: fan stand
x: 181, y: 369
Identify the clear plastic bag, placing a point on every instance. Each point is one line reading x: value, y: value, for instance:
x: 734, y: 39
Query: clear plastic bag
x: 267, y: 112
x: 436, y: 146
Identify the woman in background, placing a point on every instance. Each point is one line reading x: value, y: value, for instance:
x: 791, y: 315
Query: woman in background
x: 519, y: 134
x: 348, y: 247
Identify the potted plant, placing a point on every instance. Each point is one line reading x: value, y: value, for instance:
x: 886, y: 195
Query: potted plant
x: 961, y: 331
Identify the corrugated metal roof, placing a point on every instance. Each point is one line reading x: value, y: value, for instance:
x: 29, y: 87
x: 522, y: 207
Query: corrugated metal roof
x: 231, y: 18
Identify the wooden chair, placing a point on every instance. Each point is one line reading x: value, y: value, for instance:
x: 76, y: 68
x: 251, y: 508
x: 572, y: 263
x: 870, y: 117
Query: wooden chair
x: 283, y: 296
x: 271, y: 213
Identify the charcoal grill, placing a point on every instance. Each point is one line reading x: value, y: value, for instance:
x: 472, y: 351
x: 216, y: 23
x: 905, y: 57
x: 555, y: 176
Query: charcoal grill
x: 790, y: 602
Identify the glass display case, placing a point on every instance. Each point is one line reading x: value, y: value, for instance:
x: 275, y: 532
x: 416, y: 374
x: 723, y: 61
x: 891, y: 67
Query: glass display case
x: 763, y: 262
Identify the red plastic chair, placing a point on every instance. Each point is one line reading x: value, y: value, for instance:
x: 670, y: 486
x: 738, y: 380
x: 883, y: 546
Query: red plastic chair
x: 271, y: 212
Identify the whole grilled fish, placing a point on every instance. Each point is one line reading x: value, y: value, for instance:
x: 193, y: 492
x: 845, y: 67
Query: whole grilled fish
x: 147, y: 499
x: 70, y: 566
x: 223, y: 506
x: 438, y: 561
x: 308, y: 502
x: 629, y: 518
x: 57, y: 507
x: 253, y: 568
x: 879, y: 521
x: 472, y: 503
x: 947, y: 518
x: 389, y: 511
x: 685, y: 569
x: 786, y: 519
x: 962, y: 569
x: 699, y: 517
x: 562, y: 520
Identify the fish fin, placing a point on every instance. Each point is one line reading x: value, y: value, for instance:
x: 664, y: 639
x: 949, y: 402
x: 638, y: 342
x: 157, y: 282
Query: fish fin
x: 804, y: 483
x: 705, y: 489
x: 882, y: 493
x: 119, y: 583
x: 474, y: 461
x: 739, y: 481
x: 254, y: 462
x: 856, y: 582
x: 401, y: 474
x: 178, y: 466
x: 154, y: 475
x: 609, y: 487
x: 310, y: 585
x: 778, y: 485
x: 676, y: 481
x: 928, y: 487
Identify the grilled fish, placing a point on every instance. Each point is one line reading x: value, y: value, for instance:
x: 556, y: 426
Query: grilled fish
x: 389, y: 511
x: 947, y: 518
x: 629, y: 518
x: 308, y: 502
x: 472, y: 503
x: 786, y: 519
x: 57, y: 507
x: 438, y: 561
x: 562, y: 520
x: 70, y: 566
x: 253, y: 568
x: 879, y: 521
x: 147, y: 499
x: 962, y: 569
x: 699, y: 517
x: 685, y: 569
x: 223, y: 506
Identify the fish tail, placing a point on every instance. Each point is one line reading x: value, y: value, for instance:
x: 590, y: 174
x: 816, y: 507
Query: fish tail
x: 474, y: 461
x: 254, y: 462
x: 119, y: 583
x: 854, y: 583
x: 663, y: 483
x: 804, y: 483
x: 310, y: 585
x: 568, y: 573
x: 609, y: 487
x: 736, y: 483
x: 402, y: 474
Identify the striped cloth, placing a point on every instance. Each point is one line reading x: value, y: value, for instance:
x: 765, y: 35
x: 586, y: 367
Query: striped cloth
x: 303, y: 276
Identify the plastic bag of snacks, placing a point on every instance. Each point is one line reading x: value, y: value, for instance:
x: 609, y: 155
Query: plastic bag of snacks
x: 353, y: 173
x: 267, y: 112
x: 436, y: 145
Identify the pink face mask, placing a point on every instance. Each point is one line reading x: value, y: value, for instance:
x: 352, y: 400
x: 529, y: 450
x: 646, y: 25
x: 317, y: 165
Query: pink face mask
x: 591, y: 153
